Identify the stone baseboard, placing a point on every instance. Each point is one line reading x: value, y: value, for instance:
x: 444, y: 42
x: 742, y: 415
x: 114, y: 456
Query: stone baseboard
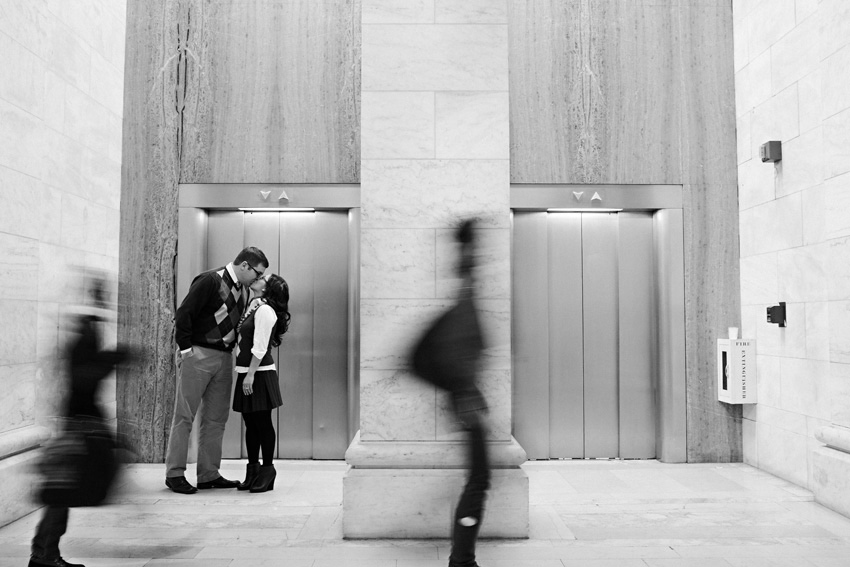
x: 831, y: 479
x: 420, y: 503
x: 18, y: 486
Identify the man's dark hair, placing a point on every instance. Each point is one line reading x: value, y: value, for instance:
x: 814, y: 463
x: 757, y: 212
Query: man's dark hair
x: 253, y: 256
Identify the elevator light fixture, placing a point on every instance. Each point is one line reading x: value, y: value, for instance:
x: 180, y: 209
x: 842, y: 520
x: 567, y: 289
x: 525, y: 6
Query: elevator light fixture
x: 276, y: 210
x: 584, y: 210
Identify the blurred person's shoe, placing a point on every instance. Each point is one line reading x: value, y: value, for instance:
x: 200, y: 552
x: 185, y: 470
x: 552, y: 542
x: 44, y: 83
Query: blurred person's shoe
x: 264, y: 480
x: 251, y: 472
x: 57, y: 562
x: 180, y: 485
x: 220, y: 482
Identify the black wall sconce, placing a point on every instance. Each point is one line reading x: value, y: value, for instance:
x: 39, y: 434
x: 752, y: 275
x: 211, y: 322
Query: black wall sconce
x: 776, y: 314
x: 771, y: 151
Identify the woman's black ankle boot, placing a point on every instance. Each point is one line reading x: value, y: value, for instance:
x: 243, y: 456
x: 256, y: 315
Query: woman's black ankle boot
x: 265, y: 479
x: 251, y: 473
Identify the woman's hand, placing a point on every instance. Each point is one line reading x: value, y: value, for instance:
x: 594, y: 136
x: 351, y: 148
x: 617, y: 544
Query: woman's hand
x: 248, y: 384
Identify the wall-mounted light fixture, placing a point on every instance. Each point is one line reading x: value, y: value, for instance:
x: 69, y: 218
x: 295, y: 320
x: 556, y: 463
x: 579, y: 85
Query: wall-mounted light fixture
x: 776, y: 314
x: 771, y: 151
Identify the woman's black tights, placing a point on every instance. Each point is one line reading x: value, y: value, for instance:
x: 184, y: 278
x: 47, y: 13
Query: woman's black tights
x: 259, y: 432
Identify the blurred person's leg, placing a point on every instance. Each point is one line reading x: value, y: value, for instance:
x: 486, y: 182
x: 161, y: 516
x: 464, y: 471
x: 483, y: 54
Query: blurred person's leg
x: 470, y: 508
x: 45, y: 543
x: 193, y: 375
x: 214, y: 414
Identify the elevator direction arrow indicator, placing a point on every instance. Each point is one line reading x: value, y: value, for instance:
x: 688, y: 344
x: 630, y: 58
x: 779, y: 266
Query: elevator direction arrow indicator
x: 265, y: 195
x: 578, y: 194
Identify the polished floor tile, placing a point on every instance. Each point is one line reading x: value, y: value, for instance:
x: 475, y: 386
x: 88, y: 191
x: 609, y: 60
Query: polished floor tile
x: 596, y: 513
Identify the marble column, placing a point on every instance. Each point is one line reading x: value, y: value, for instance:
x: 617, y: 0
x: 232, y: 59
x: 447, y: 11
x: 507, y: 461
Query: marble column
x: 435, y: 149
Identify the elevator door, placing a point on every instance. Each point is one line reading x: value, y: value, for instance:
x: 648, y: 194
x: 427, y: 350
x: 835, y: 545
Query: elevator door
x: 310, y: 251
x: 584, y: 380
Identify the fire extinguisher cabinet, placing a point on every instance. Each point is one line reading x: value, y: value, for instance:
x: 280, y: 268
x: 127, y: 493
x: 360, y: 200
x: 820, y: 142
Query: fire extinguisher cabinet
x: 737, y: 381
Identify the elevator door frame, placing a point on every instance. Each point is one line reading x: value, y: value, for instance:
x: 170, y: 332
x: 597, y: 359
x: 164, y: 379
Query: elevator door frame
x: 196, y: 200
x: 664, y: 202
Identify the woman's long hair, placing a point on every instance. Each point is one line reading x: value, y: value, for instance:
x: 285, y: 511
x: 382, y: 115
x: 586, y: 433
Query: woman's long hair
x: 277, y: 296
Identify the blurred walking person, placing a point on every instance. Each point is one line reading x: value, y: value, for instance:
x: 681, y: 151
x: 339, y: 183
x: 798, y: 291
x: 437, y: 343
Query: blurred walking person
x: 448, y: 355
x: 79, y: 466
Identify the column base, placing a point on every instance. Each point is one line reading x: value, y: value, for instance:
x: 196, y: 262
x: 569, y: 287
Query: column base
x: 398, y: 489
x: 831, y: 469
x: 420, y: 503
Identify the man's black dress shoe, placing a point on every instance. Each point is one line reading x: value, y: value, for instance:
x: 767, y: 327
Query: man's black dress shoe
x: 180, y: 485
x: 58, y: 562
x: 220, y: 482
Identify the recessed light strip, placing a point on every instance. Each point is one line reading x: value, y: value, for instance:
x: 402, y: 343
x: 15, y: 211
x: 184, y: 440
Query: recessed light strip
x: 276, y: 210
x: 584, y: 210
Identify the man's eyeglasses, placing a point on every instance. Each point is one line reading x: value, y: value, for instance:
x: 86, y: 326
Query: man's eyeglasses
x: 256, y: 271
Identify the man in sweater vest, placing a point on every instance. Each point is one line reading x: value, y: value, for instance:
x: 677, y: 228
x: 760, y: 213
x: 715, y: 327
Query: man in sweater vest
x: 206, y: 334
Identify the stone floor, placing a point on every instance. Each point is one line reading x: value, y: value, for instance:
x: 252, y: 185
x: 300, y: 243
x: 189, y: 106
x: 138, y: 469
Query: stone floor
x: 583, y: 513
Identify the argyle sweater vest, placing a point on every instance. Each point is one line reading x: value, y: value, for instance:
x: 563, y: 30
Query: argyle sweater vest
x: 210, y: 312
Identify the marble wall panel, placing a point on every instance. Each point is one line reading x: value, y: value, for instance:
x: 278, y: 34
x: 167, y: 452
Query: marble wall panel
x: 396, y: 406
x: 771, y: 227
x: 19, y: 270
x: 769, y: 380
x: 836, y: 26
x: 397, y: 263
x: 17, y: 395
x: 817, y: 330
x: 805, y: 8
x: 836, y: 204
x: 54, y: 271
x: 23, y: 151
x: 753, y: 83
x: 802, y: 164
x: 836, y: 144
x: 592, y: 92
x: 389, y: 328
x: 23, y: 84
x: 805, y: 387
x: 398, y: 11
x: 102, y: 179
x: 810, y: 97
x: 759, y: 279
x: 804, y: 273
x: 756, y: 183
x: 87, y: 121
x: 272, y: 91
x: 767, y: 23
x: 787, y: 341
x: 783, y: 453
x: 495, y: 319
x: 19, y: 347
x: 814, y: 215
x: 398, y: 125
x: 839, y: 331
x: 434, y: 193
x: 47, y: 330
x: 776, y: 119
x: 836, y: 98
x: 745, y: 139
x: 838, y: 274
x: 54, y: 101
x: 472, y: 125
x: 109, y: 87
x: 495, y: 385
x: 493, y: 269
x: 439, y: 57
x: 63, y: 162
x: 471, y: 11
x: 795, y: 54
x: 749, y: 436
x: 68, y: 54
x: 839, y: 393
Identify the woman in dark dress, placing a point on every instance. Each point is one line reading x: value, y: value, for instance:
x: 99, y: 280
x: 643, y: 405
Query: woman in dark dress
x: 257, y: 388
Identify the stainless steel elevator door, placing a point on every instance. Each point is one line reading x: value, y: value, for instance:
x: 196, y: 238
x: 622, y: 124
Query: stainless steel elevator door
x: 584, y: 382
x: 310, y: 251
